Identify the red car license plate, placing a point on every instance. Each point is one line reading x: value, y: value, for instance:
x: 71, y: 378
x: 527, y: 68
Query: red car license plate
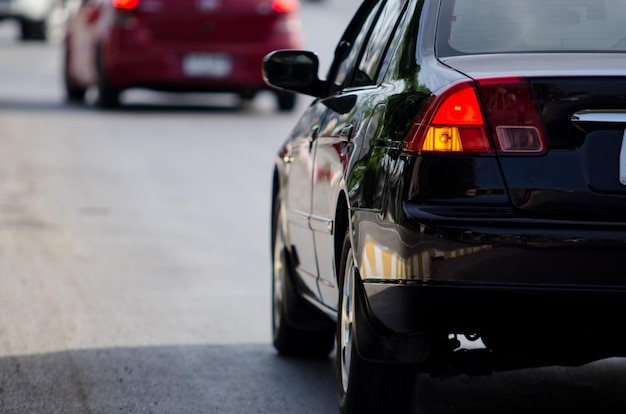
x: 207, y: 64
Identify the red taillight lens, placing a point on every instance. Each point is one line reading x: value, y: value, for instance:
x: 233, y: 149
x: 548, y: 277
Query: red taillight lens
x: 513, y: 115
x: 126, y: 4
x: 452, y: 122
x: 284, y: 6
x: 455, y: 122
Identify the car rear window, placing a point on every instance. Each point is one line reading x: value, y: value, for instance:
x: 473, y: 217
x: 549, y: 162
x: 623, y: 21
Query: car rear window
x: 497, y: 26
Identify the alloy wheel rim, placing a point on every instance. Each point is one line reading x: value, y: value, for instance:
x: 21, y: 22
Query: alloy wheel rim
x: 347, y: 323
x: 278, y: 279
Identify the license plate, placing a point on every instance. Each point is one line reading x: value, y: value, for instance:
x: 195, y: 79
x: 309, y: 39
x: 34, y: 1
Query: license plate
x: 207, y: 64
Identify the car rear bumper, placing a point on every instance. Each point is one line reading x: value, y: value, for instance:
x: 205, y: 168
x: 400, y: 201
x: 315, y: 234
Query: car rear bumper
x: 519, y: 327
x: 465, y: 308
x: 489, y: 246
x: 519, y: 283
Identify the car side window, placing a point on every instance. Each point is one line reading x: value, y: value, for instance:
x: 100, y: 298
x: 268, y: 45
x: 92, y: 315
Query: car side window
x: 376, y: 48
x: 348, y: 50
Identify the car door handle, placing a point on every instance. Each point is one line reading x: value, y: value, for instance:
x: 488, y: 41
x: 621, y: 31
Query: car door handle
x: 314, y: 131
x: 346, y: 132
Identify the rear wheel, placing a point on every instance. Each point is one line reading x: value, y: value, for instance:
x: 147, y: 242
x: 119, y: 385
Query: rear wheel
x: 32, y: 29
x: 366, y: 387
x: 73, y: 92
x: 108, y: 96
x: 297, y: 328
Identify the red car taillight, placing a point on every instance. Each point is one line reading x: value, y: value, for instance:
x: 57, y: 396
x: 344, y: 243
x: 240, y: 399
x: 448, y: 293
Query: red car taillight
x: 126, y: 4
x: 125, y: 16
x: 455, y: 122
x: 284, y: 6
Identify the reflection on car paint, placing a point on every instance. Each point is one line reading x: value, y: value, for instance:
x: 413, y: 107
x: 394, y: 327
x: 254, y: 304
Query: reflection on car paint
x: 380, y: 262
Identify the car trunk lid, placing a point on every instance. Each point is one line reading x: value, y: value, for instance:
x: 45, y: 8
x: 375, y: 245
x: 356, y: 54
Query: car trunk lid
x: 581, y: 99
x: 210, y: 21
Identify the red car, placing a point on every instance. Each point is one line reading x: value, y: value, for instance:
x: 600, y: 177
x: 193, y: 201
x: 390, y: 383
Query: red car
x: 177, y: 46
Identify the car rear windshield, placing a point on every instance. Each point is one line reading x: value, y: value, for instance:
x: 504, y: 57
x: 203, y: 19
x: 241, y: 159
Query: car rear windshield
x: 503, y: 26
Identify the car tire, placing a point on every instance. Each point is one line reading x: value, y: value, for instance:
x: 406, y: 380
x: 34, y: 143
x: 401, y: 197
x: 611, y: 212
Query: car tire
x: 298, y: 330
x: 108, y: 96
x: 286, y: 101
x: 32, y: 29
x: 73, y: 92
x: 365, y: 387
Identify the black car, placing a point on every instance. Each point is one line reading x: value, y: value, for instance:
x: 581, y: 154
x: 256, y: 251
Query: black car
x: 454, y: 199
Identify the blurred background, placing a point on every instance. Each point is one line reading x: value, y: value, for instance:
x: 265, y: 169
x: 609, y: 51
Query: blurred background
x: 134, y: 243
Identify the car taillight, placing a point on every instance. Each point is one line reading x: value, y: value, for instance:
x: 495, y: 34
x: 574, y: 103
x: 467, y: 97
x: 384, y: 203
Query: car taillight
x: 284, y: 6
x: 451, y: 122
x: 126, y: 4
x: 454, y: 121
x: 513, y: 115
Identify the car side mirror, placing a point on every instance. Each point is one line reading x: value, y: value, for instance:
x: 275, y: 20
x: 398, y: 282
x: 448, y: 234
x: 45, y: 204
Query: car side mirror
x: 293, y: 70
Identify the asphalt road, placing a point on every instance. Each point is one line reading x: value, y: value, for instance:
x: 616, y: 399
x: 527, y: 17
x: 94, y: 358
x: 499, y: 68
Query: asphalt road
x: 134, y: 259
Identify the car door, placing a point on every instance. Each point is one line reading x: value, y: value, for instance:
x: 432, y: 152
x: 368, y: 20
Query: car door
x: 299, y: 156
x: 342, y: 131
